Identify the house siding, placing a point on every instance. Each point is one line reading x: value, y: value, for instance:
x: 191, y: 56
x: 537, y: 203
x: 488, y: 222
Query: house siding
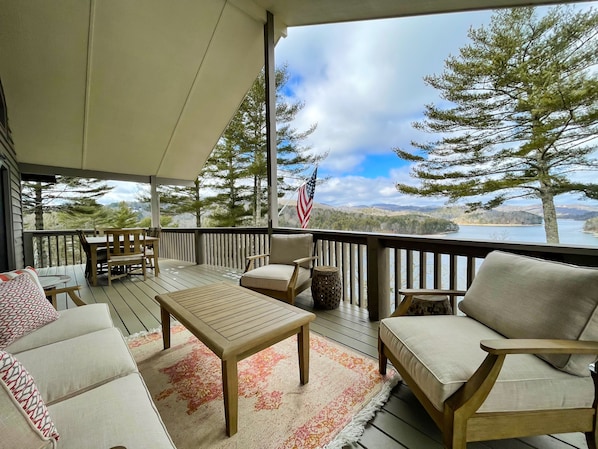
x: 8, y: 162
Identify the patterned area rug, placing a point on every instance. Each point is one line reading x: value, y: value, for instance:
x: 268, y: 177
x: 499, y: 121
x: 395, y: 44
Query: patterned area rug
x: 275, y: 411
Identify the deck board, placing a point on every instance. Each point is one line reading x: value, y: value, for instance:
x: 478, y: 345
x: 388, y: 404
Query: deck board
x: 401, y: 424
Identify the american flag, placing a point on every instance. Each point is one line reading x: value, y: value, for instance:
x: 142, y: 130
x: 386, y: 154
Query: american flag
x: 305, y: 201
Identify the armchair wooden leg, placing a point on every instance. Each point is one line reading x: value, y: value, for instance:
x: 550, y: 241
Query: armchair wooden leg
x: 592, y: 437
x: 382, y: 359
x: 454, y: 433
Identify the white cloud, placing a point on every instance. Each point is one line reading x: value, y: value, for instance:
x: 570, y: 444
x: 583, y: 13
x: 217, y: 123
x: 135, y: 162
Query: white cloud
x: 362, y: 82
x: 123, y: 191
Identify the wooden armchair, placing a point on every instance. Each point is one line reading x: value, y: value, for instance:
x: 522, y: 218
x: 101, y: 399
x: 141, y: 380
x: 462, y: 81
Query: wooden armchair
x: 288, y: 271
x: 516, y: 364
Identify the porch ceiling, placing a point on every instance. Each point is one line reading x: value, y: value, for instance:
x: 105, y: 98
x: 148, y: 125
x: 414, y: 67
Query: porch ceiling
x: 140, y: 88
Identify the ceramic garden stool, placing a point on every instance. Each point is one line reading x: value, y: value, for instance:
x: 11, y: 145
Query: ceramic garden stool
x: 326, y: 287
x: 430, y: 305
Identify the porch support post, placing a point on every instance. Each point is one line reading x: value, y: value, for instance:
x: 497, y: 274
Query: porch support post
x: 155, y: 202
x: 270, y: 78
x: 378, y: 282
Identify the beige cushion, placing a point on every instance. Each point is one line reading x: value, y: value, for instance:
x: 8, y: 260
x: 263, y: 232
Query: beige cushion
x: 442, y: 352
x: 119, y: 413
x: 71, y: 323
x: 286, y: 248
x: 524, y: 297
x: 70, y: 367
x: 273, y: 277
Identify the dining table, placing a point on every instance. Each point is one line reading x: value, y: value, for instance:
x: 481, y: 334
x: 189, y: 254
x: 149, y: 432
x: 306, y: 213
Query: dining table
x: 96, y: 242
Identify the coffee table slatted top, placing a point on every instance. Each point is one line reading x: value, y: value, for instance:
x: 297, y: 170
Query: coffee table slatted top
x: 230, y: 319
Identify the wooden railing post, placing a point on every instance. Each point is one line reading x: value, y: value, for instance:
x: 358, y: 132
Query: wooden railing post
x: 199, y: 247
x: 378, y: 279
x: 28, y: 249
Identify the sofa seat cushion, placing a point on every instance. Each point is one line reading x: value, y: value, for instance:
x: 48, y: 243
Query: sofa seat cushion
x: 442, y: 352
x: 71, y: 323
x: 72, y: 366
x: 119, y: 413
x: 273, y: 277
x: 524, y: 297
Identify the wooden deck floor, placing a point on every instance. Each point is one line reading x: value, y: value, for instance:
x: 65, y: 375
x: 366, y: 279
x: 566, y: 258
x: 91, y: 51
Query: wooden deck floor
x: 402, y: 423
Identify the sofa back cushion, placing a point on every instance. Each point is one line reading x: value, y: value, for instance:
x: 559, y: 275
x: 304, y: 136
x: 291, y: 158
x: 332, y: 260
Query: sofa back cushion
x: 286, y: 248
x: 524, y: 297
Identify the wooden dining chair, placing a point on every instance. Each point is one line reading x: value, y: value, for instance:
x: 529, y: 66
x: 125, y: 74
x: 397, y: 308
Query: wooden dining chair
x: 150, y: 253
x: 126, y: 250
x: 102, y: 254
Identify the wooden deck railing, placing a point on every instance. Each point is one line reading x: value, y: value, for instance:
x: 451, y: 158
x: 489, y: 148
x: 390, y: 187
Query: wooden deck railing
x: 373, y: 266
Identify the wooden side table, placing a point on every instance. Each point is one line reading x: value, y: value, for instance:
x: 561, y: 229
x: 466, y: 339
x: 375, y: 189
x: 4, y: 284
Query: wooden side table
x: 49, y: 284
x: 326, y: 287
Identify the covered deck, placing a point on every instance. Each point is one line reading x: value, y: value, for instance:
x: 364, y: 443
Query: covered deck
x: 402, y: 423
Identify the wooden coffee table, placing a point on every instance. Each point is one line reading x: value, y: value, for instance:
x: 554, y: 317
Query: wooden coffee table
x: 235, y: 322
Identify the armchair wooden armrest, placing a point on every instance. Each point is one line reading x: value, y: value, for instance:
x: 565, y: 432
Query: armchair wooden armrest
x: 250, y: 260
x: 409, y: 293
x: 304, y: 259
x: 538, y: 346
x: 295, y: 275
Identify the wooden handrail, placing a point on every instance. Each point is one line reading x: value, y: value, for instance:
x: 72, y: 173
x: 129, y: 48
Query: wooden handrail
x: 374, y: 267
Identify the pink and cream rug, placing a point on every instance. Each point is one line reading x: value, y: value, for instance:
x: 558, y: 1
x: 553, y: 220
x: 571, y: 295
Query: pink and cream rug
x: 275, y: 411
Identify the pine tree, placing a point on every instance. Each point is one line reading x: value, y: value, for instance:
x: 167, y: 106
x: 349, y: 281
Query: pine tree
x: 250, y: 138
x: 124, y: 217
x: 226, y: 169
x: 519, y: 114
x: 67, y: 195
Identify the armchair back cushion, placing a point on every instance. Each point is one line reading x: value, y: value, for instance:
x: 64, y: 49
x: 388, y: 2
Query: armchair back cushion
x: 286, y: 248
x: 524, y: 297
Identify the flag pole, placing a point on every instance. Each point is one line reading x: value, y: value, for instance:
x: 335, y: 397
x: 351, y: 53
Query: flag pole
x: 292, y: 196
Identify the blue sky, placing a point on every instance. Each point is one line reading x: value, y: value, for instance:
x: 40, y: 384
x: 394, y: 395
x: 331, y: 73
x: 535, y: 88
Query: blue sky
x: 362, y: 83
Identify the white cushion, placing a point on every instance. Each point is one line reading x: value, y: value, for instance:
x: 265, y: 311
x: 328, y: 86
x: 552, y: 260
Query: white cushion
x: 524, y: 297
x: 284, y: 249
x: 25, y: 420
x: 442, y: 352
x: 119, y: 413
x: 72, y: 366
x: 72, y: 323
x: 23, y: 308
x: 273, y: 277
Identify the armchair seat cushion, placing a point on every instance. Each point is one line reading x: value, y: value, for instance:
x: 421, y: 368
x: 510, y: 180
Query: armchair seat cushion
x: 273, y: 277
x: 441, y: 353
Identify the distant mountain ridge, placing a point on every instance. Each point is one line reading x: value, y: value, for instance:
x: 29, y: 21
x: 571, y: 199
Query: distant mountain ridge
x: 503, y: 215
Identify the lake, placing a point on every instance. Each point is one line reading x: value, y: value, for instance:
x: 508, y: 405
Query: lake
x: 570, y: 232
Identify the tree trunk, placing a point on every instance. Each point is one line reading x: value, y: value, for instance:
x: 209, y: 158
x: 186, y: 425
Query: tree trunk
x: 551, y: 227
x: 38, y: 208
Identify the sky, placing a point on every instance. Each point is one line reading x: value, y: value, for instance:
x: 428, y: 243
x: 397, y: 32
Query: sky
x: 362, y: 84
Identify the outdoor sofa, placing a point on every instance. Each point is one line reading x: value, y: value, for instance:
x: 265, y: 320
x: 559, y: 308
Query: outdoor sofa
x: 71, y: 383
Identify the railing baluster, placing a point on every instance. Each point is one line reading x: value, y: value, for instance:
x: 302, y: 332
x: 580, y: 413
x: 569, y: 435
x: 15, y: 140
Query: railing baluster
x: 453, y: 265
